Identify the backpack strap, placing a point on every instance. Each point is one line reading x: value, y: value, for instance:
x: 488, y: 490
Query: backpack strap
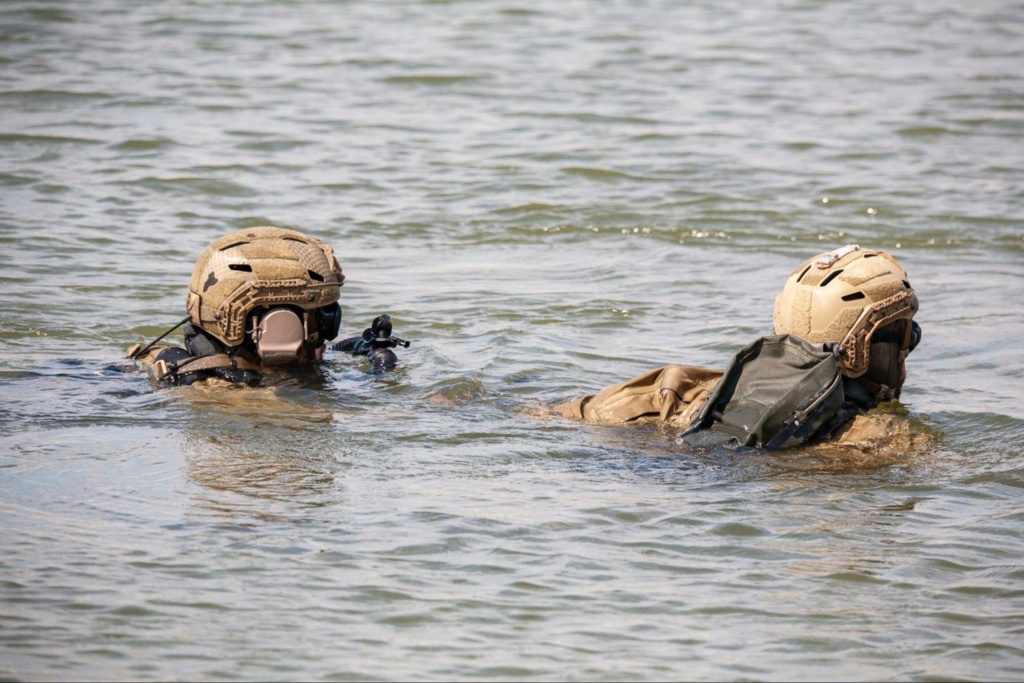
x: 220, y: 360
x: 174, y: 369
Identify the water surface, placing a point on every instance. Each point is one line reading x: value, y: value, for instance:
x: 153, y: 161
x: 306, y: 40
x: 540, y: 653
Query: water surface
x: 547, y: 197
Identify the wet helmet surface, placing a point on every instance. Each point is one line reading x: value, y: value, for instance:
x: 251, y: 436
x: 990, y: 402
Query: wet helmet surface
x: 860, y: 298
x: 260, y: 268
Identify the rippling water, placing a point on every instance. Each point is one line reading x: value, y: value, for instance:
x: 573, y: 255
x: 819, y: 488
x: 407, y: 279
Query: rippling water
x: 547, y: 197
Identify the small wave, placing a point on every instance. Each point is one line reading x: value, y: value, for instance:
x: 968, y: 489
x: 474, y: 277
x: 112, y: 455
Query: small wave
x: 195, y: 185
x: 27, y: 98
x: 925, y: 131
x: 431, y: 79
x: 144, y: 145
x: 47, y: 15
x: 599, y: 173
x: 456, y: 392
x: 274, y: 145
x: 533, y: 207
x: 994, y: 434
x: 9, y: 180
x: 17, y: 139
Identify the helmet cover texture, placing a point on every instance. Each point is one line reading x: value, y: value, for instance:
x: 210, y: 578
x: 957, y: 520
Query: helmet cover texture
x: 263, y: 266
x: 845, y: 296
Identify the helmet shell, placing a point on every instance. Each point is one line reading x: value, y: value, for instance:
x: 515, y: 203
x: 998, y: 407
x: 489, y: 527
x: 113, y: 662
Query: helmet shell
x: 845, y: 296
x: 262, y: 266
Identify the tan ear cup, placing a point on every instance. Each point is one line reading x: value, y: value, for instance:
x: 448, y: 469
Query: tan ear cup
x: 279, y: 336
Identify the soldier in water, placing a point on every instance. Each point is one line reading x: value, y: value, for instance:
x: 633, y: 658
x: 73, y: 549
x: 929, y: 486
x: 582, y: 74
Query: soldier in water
x: 855, y: 304
x: 260, y: 299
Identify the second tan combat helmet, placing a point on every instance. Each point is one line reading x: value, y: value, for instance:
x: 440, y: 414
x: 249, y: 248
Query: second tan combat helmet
x: 846, y: 296
x: 263, y: 268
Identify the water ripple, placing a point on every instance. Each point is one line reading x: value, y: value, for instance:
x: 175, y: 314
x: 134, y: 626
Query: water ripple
x: 547, y: 199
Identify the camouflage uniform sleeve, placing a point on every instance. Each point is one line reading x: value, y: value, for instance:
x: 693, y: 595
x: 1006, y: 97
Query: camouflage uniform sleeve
x: 666, y: 394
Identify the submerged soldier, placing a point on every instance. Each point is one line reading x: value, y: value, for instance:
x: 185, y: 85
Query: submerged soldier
x: 850, y: 310
x: 260, y: 299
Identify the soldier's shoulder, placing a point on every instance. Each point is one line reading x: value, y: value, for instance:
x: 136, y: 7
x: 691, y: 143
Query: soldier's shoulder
x: 147, y: 359
x: 884, y: 428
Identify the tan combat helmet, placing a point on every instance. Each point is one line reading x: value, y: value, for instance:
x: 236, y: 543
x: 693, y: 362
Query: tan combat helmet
x: 846, y: 296
x: 261, y: 267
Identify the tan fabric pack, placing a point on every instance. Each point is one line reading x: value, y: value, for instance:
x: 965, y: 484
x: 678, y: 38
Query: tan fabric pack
x: 668, y: 394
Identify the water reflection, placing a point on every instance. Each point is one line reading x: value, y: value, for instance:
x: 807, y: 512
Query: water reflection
x: 553, y: 198
x: 272, y: 443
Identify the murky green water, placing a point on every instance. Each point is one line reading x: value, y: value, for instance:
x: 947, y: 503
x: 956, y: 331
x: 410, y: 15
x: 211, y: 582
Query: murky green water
x: 547, y: 197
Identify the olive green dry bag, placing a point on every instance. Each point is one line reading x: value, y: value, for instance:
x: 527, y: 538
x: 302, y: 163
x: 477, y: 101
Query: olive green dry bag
x: 778, y: 392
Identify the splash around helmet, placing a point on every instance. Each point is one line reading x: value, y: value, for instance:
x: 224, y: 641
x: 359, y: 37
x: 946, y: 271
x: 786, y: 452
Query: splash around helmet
x: 847, y: 296
x: 241, y: 277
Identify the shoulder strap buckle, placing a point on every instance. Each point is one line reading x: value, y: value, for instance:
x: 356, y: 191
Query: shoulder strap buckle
x: 161, y: 370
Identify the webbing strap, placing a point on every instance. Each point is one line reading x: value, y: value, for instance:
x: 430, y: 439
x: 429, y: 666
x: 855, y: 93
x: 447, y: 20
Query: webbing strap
x: 219, y: 360
x: 161, y: 369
